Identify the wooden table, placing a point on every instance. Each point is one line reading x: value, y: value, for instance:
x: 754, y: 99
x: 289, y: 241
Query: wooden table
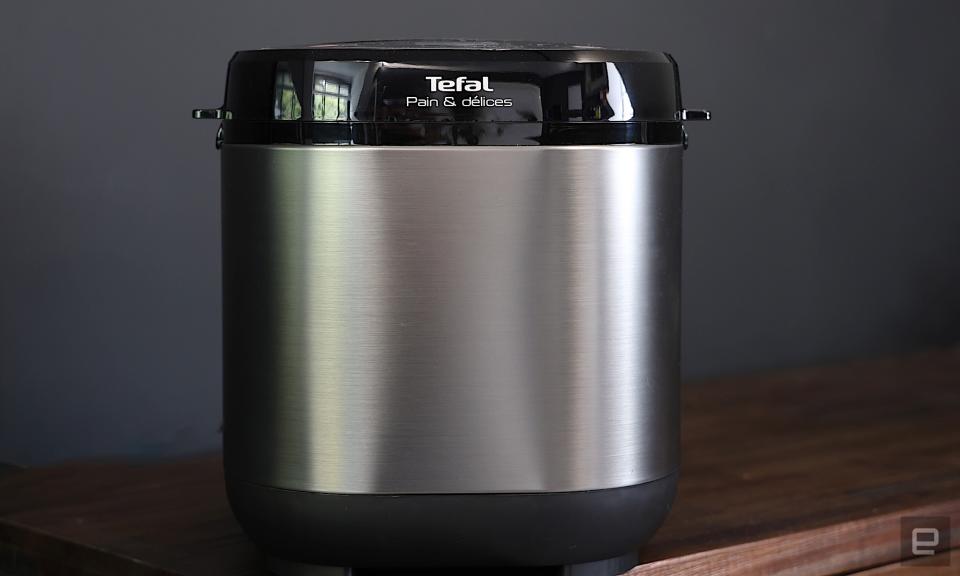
x: 799, y: 472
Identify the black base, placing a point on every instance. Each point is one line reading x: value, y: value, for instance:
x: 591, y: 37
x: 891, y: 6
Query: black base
x: 608, y: 567
x: 553, y: 529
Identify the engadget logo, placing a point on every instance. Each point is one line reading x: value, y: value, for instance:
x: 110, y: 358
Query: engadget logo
x: 460, y: 84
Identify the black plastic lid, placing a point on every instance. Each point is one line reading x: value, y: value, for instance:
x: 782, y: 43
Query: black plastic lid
x: 419, y: 92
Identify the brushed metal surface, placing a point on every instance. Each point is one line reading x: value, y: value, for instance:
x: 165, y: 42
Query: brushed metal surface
x: 451, y: 319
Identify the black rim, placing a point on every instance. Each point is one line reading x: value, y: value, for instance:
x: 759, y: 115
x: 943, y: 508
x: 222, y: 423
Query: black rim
x: 451, y: 133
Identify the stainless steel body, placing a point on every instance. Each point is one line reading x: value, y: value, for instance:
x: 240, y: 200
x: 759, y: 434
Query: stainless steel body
x: 411, y: 320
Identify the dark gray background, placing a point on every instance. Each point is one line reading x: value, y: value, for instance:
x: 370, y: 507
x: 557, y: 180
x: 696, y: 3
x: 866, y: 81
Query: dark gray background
x: 822, y: 203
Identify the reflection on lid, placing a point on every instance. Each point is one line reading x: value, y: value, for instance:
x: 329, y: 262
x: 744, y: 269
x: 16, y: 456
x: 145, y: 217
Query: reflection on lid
x: 617, y: 96
x: 451, y: 44
x: 331, y: 98
x: 286, y: 103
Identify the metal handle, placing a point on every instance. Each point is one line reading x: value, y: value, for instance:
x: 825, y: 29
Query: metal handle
x: 692, y: 115
x: 686, y: 115
x: 213, y: 114
x: 209, y: 114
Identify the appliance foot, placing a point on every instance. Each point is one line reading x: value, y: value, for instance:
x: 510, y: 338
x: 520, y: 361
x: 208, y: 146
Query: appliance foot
x: 607, y: 567
x: 280, y: 567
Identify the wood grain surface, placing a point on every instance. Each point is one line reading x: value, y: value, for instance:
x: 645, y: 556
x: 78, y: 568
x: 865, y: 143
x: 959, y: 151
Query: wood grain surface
x: 912, y: 568
x: 810, y: 470
x: 800, y: 472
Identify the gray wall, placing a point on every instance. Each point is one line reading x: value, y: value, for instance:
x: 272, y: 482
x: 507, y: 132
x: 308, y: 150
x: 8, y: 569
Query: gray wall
x: 822, y: 203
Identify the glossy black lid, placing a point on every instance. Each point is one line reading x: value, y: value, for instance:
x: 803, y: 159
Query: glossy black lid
x: 450, y: 92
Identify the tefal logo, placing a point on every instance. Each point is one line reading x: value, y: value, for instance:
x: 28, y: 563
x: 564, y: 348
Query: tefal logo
x: 461, y: 84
